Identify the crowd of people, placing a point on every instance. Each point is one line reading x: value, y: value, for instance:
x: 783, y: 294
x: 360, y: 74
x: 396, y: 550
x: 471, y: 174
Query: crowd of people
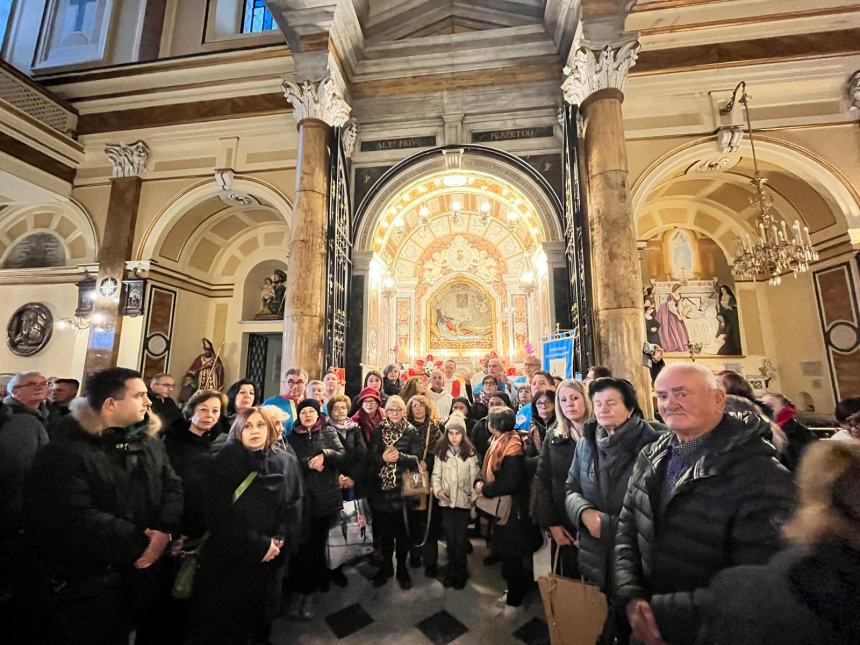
x: 723, y: 520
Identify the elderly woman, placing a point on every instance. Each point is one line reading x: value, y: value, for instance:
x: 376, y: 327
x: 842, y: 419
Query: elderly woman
x: 254, y: 495
x: 394, y: 447
x: 809, y: 593
x: 572, y: 412
x: 601, y: 467
x: 315, y: 390
x: 422, y: 415
x: 320, y: 453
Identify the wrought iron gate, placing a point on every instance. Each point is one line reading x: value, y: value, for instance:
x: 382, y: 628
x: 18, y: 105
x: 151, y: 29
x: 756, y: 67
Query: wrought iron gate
x: 577, y: 245
x: 339, y: 253
x: 255, y: 371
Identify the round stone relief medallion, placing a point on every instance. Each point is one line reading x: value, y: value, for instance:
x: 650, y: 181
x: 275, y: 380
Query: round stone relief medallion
x: 29, y: 329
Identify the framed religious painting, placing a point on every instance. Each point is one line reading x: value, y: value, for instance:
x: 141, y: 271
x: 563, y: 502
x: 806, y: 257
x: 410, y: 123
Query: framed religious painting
x: 461, y: 315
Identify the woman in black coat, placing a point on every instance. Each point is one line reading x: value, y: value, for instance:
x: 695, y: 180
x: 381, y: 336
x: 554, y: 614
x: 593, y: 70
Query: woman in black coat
x: 573, y: 410
x: 479, y: 433
x: 597, y: 483
x: 504, y: 474
x: 353, y: 466
x: 422, y: 416
x: 808, y: 594
x: 320, y: 454
x: 243, y: 556
x: 394, y: 447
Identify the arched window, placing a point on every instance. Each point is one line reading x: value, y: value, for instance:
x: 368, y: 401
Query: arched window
x: 257, y: 17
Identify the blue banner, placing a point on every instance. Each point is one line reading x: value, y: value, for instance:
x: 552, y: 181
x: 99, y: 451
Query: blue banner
x: 558, y: 356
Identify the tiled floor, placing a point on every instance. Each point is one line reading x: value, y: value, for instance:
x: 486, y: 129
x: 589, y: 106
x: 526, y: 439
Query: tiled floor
x: 427, y: 613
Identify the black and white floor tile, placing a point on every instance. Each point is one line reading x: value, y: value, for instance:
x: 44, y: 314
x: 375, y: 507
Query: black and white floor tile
x: 426, y: 614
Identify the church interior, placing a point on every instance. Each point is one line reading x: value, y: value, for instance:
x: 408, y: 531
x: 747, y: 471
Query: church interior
x: 355, y: 183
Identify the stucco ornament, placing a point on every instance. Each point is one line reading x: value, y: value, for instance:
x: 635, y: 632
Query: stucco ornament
x: 320, y: 100
x: 129, y: 160
x: 854, y: 91
x: 595, y: 70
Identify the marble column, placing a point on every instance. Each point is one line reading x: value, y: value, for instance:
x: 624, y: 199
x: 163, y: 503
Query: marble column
x: 595, y: 83
x: 317, y: 108
x: 129, y: 162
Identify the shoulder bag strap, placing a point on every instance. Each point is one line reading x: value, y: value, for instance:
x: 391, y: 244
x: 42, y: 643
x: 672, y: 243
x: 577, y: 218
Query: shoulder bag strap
x: 241, y: 488
x: 427, y: 441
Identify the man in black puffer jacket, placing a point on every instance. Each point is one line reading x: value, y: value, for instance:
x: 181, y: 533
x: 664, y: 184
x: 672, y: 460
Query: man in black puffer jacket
x: 707, y: 496
x: 100, y: 509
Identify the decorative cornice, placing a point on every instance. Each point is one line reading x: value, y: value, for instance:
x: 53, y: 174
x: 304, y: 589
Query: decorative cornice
x: 317, y: 101
x: 129, y: 160
x: 595, y: 70
x: 854, y: 91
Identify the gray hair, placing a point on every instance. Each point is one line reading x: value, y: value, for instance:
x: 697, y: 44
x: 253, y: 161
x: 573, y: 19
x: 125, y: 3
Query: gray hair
x: 295, y: 371
x: 707, y: 375
x: 308, y: 393
x: 155, y: 378
x: 15, y: 381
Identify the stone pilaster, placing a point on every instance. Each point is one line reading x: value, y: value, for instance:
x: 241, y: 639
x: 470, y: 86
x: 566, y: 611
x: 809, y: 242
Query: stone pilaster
x: 129, y: 162
x: 317, y: 108
x: 595, y: 82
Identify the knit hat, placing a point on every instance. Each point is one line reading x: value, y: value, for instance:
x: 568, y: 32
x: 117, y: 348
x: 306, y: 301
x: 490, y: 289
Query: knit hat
x: 370, y: 393
x: 307, y: 403
x: 456, y: 422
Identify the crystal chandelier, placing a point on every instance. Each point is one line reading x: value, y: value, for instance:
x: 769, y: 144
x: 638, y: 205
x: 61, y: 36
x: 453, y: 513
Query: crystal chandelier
x: 771, y: 251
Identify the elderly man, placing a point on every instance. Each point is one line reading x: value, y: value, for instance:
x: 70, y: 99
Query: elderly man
x: 293, y: 388
x: 441, y: 398
x: 22, y: 434
x: 716, y: 493
x: 496, y: 369
x: 161, y: 388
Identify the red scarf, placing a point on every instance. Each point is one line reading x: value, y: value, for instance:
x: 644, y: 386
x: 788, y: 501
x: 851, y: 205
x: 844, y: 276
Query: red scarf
x: 366, y: 422
x: 785, y: 415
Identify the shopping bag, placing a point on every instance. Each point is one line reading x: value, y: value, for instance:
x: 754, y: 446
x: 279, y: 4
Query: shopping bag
x: 575, y: 612
x: 351, y: 536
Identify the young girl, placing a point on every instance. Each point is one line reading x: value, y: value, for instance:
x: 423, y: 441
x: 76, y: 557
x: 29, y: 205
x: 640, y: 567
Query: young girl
x: 454, y: 474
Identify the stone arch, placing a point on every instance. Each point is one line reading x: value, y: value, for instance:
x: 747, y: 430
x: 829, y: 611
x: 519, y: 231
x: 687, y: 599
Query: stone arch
x: 68, y: 222
x: 173, y: 210
x: 523, y: 183
x: 833, y: 187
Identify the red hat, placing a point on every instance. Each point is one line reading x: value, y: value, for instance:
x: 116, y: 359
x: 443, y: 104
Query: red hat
x: 370, y: 393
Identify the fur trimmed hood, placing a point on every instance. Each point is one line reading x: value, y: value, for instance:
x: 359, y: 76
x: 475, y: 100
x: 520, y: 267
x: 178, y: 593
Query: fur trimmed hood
x: 92, y: 424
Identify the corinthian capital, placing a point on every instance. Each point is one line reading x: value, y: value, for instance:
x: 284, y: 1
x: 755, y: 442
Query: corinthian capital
x: 317, y: 101
x: 595, y: 70
x: 128, y: 160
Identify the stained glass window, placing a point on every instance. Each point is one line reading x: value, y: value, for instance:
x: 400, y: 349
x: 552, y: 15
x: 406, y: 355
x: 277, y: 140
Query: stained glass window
x: 257, y: 17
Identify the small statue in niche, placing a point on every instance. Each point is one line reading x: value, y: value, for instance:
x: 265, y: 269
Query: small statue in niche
x: 272, y: 296
x: 29, y: 329
x: 205, y: 373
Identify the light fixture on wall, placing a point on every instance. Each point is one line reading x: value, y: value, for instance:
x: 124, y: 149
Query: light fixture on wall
x: 513, y: 220
x: 484, y: 217
x: 79, y: 323
x: 389, y: 286
x: 527, y: 282
x: 772, y: 251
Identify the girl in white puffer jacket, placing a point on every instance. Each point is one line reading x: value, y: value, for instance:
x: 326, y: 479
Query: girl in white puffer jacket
x: 454, y: 475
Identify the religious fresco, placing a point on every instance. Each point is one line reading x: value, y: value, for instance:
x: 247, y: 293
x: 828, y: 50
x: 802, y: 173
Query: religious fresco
x: 689, y: 298
x: 460, y: 316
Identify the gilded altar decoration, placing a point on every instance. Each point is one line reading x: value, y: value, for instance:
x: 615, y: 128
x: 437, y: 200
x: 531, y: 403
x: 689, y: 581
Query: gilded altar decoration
x: 461, y: 315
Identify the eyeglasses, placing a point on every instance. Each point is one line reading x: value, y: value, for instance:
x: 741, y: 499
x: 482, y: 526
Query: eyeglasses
x: 35, y: 384
x: 852, y: 422
x: 289, y: 382
x: 544, y: 404
x: 169, y: 386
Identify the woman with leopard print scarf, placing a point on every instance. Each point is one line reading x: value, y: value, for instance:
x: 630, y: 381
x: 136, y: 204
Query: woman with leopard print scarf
x: 395, y: 446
